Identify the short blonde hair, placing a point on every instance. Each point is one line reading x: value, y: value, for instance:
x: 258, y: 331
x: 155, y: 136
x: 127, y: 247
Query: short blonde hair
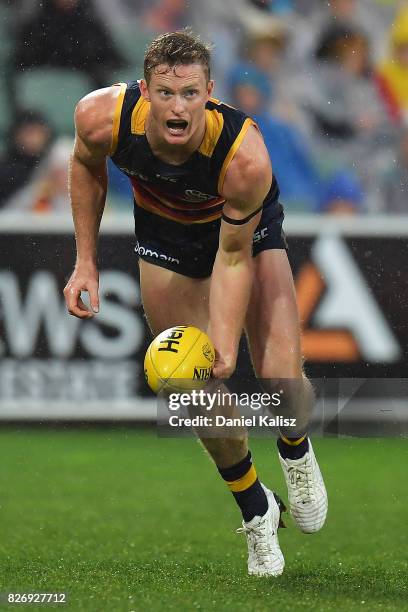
x: 177, y: 48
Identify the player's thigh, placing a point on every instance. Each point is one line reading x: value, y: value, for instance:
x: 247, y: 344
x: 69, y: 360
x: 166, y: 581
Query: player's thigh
x: 272, y: 322
x: 171, y: 299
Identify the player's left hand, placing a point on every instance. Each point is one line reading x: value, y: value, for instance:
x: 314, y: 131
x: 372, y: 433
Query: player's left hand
x: 224, y: 365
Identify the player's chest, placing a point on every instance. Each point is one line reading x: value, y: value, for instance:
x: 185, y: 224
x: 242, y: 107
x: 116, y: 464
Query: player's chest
x: 194, y: 181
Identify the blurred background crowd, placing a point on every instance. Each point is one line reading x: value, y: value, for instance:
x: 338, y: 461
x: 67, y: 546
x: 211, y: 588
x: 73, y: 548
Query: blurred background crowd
x: 326, y: 81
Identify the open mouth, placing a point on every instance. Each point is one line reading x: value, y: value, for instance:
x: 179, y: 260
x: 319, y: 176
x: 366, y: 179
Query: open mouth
x: 176, y: 126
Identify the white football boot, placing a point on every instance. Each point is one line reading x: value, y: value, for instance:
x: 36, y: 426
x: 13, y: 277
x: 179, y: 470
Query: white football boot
x: 264, y: 554
x: 306, y: 491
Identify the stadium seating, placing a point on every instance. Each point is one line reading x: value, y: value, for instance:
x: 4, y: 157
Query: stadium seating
x: 5, y: 50
x: 54, y: 92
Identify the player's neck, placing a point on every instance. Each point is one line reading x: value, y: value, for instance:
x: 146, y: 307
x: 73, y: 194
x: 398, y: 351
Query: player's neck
x: 173, y: 154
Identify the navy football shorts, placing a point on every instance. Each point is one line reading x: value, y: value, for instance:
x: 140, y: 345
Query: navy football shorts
x: 191, y: 250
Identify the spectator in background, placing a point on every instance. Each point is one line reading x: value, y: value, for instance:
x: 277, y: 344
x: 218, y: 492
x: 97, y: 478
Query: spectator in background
x: 47, y: 190
x: 342, y: 99
x: 264, y: 49
x: 274, y: 6
x: 291, y: 158
x: 367, y: 16
x: 121, y: 13
x: 226, y: 23
x: 120, y: 192
x: 392, y: 74
x: 166, y: 16
x: 222, y: 24
x: 28, y: 142
x: 50, y: 191
x: 342, y: 194
x: 351, y: 125
x: 67, y: 34
x: 393, y: 178
x: 307, y: 7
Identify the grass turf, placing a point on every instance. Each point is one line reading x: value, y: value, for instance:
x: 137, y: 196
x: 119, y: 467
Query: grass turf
x: 123, y: 520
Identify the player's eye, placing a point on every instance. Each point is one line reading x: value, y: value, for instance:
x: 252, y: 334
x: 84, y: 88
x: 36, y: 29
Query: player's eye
x: 191, y: 92
x: 164, y: 92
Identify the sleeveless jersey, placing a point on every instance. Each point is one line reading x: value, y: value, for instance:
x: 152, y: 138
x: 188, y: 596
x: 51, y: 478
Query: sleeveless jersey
x: 187, y: 194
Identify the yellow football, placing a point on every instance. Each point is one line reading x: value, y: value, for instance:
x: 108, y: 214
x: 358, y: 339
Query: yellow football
x: 179, y: 359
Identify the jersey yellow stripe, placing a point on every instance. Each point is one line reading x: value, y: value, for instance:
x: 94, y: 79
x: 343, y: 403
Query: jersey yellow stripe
x: 151, y: 207
x: 214, y: 123
x: 116, y: 117
x: 243, y: 483
x: 155, y: 211
x: 139, y: 114
x: 234, y: 148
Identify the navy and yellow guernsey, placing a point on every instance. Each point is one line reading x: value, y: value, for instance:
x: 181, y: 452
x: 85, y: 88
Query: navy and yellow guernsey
x: 178, y: 208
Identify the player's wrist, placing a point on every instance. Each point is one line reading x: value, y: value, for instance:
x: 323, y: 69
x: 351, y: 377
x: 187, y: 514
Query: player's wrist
x: 88, y: 262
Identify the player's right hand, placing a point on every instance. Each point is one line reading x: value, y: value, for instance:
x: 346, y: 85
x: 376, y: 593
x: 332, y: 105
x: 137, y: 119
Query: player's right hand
x: 83, y: 278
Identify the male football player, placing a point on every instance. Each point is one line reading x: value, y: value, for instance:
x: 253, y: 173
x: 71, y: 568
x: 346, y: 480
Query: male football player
x: 206, y: 201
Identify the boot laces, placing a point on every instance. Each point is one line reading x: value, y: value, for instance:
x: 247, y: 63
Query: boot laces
x: 257, y: 536
x: 301, y: 478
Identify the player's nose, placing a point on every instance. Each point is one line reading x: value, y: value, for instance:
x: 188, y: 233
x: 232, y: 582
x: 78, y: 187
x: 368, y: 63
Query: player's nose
x: 178, y: 105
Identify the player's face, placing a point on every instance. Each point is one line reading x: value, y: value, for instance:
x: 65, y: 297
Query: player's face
x: 178, y: 97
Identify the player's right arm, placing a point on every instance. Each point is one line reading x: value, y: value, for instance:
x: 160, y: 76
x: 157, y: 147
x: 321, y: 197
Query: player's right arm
x: 87, y: 187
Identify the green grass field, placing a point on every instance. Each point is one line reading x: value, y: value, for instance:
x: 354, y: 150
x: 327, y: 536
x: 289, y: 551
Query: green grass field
x: 123, y: 520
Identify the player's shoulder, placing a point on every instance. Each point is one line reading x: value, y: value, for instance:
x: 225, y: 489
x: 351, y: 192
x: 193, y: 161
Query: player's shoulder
x: 250, y: 170
x: 229, y: 112
x: 95, y: 112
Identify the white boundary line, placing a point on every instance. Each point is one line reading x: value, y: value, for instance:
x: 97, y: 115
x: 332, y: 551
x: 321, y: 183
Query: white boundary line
x: 298, y: 225
x: 139, y: 410
x: 31, y: 410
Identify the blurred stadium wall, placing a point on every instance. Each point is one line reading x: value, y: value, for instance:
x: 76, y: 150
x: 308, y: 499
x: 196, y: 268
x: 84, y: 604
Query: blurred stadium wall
x: 351, y: 294
x: 349, y: 269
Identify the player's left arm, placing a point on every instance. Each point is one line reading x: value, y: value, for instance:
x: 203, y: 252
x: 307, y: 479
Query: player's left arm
x: 247, y: 182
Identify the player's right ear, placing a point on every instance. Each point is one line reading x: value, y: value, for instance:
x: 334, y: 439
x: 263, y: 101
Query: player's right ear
x: 144, y: 90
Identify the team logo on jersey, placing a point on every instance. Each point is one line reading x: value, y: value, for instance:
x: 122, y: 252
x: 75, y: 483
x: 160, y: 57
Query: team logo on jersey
x: 147, y: 179
x: 130, y: 172
x: 193, y: 195
x: 168, y: 179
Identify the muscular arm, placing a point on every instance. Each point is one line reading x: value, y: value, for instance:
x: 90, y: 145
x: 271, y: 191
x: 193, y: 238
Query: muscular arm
x: 247, y: 182
x: 88, y: 185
